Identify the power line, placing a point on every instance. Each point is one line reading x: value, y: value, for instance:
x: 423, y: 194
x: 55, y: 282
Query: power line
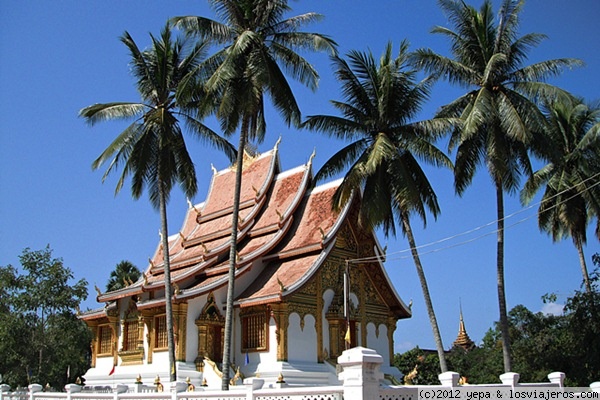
x: 468, y: 232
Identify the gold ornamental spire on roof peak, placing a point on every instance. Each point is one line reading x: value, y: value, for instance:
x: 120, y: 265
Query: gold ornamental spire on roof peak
x: 462, y: 339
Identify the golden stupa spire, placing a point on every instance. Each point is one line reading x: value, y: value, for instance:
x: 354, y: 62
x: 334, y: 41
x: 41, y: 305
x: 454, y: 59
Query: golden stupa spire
x: 463, y: 340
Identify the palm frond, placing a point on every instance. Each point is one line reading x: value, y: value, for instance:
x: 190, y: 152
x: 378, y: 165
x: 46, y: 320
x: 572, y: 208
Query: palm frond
x: 110, y: 111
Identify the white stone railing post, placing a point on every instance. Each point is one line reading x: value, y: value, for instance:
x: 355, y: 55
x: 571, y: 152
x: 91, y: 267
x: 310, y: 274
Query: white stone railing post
x: 72, y: 388
x: 449, y: 378
x: 557, y: 378
x: 252, y: 384
x: 510, y: 379
x: 176, y: 388
x: 361, y: 373
x: 120, y: 388
x: 595, y: 386
x: 34, y: 388
x: 4, y: 388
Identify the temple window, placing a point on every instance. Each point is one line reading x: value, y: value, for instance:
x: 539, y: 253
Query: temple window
x: 104, y: 340
x: 160, y: 332
x: 254, y: 331
x: 131, y: 335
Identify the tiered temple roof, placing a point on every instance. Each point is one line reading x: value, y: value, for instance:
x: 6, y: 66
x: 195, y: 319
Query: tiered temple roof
x: 285, y: 227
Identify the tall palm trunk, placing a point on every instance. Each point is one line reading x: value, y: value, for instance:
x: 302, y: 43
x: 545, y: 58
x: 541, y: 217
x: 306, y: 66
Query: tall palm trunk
x: 586, y: 278
x: 168, y: 289
x: 227, y: 345
x: 432, y: 320
x: 500, y: 278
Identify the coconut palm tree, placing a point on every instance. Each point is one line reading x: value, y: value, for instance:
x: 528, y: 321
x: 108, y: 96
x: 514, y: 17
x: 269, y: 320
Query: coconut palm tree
x: 380, y: 100
x: 498, y: 111
x: 571, y: 195
x: 124, y: 274
x: 258, y: 46
x: 152, y: 148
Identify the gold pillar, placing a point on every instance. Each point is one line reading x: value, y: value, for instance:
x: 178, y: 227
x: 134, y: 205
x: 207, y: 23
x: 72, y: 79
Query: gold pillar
x: 114, y: 326
x: 95, y: 342
x: 148, y: 320
x: 391, y: 327
x: 180, y: 322
x: 280, y: 314
x: 140, y: 337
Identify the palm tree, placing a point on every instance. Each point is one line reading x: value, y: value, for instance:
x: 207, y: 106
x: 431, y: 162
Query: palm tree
x: 153, y: 148
x: 380, y: 100
x: 124, y: 274
x: 498, y: 111
x: 571, y: 196
x: 258, y: 42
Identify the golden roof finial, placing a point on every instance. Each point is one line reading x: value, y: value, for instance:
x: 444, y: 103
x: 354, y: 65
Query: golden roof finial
x: 279, y: 215
x: 463, y: 340
x: 322, y: 233
x: 281, y: 285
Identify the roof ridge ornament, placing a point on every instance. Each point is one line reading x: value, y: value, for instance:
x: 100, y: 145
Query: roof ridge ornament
x: 276, y: 147
x: 323, y: 235
x: 312, y: 156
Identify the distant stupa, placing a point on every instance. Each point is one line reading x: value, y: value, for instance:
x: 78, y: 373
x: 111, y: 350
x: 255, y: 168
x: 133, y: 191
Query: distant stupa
x: 463, y: 340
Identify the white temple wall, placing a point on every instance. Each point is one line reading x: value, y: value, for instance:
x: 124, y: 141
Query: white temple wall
x: 271, y: 355
x: 104, y: 364
x: 327, y: 298
x: 236, y: 334
x: 379, y: 343
x: 160, y: 358
x: 146, y: 344
x: 302, y: 342
x: 194, y: 308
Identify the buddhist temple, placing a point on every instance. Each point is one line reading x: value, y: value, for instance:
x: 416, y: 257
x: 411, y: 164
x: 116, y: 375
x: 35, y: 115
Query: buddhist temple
x: 289, y: 321
x: 462, y: 339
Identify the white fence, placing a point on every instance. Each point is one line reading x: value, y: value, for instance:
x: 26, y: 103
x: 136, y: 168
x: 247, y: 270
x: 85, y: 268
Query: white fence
x: 361, y: 377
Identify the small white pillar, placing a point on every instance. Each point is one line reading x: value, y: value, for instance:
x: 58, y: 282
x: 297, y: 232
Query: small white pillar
x: 177, y: 387
x: 595, y: 386
x: 72, y: 388
x: 34, y: 388
x: 361, y: 373
x: 4, y: 388
x: 449, y: 378
x: 510, y: 378
x: 557, y: 378
x: 119, y: 389
x: 252, y: 384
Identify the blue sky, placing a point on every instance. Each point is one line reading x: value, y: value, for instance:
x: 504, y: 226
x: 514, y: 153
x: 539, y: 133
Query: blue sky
x: 57, y: 57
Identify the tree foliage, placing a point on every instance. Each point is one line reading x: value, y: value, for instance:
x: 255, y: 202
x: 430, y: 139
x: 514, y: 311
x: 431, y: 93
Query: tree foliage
x: 259, y: 49
x: 499, y: 112
x: 124, y: 274
x: 381, y: 99
x: 570, y: 199
x: 41, y: 338
x: 152, y: 150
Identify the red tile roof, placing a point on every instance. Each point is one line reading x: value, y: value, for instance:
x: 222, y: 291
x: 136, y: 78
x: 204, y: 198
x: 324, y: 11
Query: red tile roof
x: 286, y: 230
